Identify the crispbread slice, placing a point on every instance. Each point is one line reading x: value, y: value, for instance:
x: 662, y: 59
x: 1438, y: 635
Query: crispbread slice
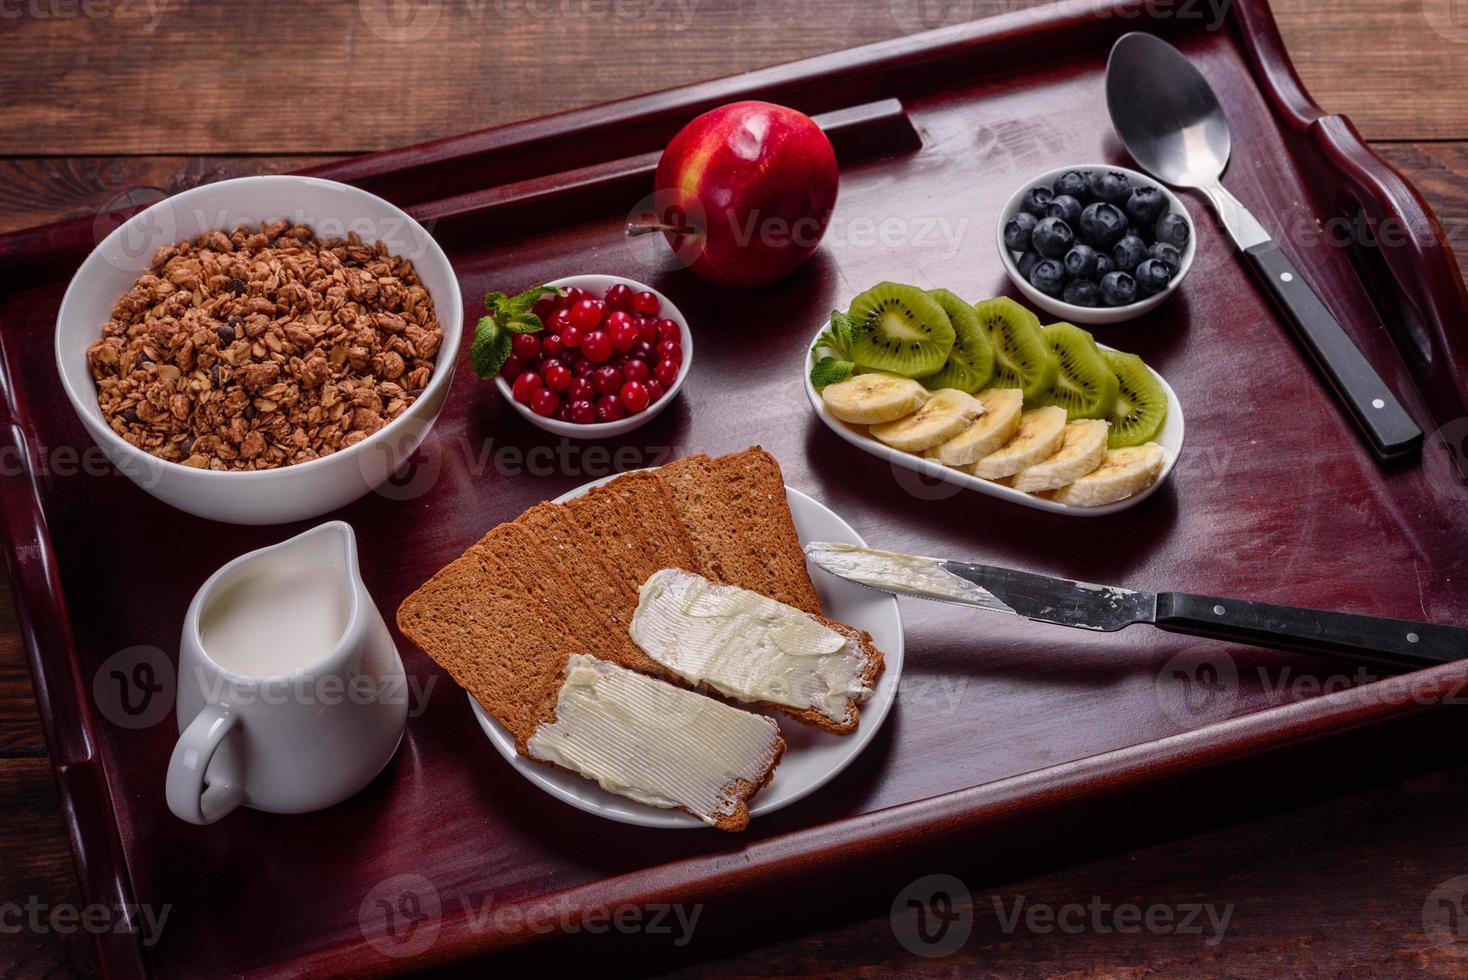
x: 574, y: 550
x: 713, y: 524
x: 535, y: 567
x: 756, y: 491
x: 500, y: 644
x: 618, y: 533
x: 647, y: 495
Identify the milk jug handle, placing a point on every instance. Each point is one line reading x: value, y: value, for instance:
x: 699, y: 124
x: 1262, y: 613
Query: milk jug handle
x: 188, y: 797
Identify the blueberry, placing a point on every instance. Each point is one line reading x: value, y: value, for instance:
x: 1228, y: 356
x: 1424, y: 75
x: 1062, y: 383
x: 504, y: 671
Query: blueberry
x: 1118, y: 289
x: 1152, y: 277
x: 1145, y: 205
x: 1080, y: 262
x: 1166, y: 253
x: 1074, y: 184
x: 1036, y: 200
x: 1027, y: 262
x: 1104, y: 264
x: 1082, y: 292
x: 1017, y: 231
x: 1129, y: 253
x: 1173, y: 229
x: 1147, y: 233
x: 1066, y: 208
x: 1102, y: 225
x: 1111, y: 187
x: 1053, y: 238
x: 1048, y: 276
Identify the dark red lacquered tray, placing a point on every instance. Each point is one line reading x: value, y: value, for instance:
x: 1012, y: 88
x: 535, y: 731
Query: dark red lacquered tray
x: 999, y: 721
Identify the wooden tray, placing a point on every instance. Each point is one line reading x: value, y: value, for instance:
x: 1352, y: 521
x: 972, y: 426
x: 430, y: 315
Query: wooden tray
x: 1000, y: 721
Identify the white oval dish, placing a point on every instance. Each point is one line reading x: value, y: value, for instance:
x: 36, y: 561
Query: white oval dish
x: 287, y: 493
x: 597, y: 286
x: 812, y: 757
x: 1094, y: 315
x: 1170, y: 439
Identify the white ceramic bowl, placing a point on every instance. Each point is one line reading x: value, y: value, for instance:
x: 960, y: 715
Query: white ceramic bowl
x: 1092, y: 314
x: 289, y: 493
x: 597, y: 286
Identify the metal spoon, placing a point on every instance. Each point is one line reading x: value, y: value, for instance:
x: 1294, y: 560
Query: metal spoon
x: 1168, y: 116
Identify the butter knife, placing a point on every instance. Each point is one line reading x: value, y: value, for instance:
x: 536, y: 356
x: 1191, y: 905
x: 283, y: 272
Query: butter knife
x: 1106, y: 608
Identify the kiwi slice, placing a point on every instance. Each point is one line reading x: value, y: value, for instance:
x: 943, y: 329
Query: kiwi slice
x: 1141, y: 406
x: 1085, y: 385
x: 970, y: 364
x: 1022, y: 359
x: 901, y: 330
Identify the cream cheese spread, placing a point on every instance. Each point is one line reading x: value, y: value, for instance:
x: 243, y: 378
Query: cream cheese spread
x: 652, y: 742
x: 748, y: 646
x: 888, y: 570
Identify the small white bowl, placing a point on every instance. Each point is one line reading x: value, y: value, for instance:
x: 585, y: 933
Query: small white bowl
x: 287, y: 493
x: 1092, y: 314
x: 597, y: 286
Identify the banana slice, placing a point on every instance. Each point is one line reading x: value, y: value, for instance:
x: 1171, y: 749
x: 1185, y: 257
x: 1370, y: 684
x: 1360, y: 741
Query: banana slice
x: 998, y: 424
x: 1082, y: 451
x: 867, y: 399
x: 1122, y: 473
x: 944, y: 415
x: 1041, y: 431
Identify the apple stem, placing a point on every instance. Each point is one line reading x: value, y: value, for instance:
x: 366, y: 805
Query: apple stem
x: 635, y: 228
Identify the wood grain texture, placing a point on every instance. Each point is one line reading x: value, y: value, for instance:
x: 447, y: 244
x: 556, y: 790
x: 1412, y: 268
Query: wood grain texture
x: 281, y: 77
x: 1316, y: 893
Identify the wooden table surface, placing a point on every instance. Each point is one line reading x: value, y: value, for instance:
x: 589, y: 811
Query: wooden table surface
x: 110, y: 101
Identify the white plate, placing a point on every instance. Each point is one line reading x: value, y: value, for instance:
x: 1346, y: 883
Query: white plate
x: 812, y: 757
x: 1170, y: 439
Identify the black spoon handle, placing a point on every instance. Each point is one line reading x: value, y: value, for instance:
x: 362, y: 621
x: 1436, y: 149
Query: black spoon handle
x: 1398, y: 642
x: 1376, y: 411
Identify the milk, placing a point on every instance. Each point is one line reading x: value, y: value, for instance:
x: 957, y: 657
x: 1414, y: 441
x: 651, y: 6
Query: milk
x: 277, y: 616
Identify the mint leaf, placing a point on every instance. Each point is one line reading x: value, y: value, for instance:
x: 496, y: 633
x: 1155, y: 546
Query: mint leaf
x: 829, y: 370
x: 843, y: 327
x: 524, y: 323
x: 523, y: 302
x: 490, y: 348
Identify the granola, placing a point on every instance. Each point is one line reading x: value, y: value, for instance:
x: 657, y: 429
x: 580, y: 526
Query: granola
x: 264, y: 347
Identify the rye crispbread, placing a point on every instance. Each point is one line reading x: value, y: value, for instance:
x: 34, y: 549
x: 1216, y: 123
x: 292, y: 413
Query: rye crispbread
x: 646, y: 495
x: 618, y: 534
x: 756, y: 491
x: 592, y: 630
x: 558, y: 531
x: 714, y: 528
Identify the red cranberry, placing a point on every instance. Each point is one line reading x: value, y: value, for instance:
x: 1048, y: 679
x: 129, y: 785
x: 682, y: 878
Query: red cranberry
x: 583, y: 412
x: 597, y: 346
x: 668, y: 330
x: 607, y: 379
x: 556, y: 375
x: 670, y: 350
x: 634, y: 397
x: 655, y: 391
x: 636, y: 370
x: 545, y: 306
x: 582, y: 390
x: 575, y: 295
x: 624, y: 338
x: 647, y: 329
x: 544, y: 403
x: 526, y: 345
x: 583, y: 368
x: 559, y: 321
x: 619, y: 297
x: 648, y: 352
x: 526, y: 385
x: 646, y: 303
x: 609, y: 409
x: 586, y: 315
x: 552, y: 345
x: 617, y: 318
x: 666, y: 372
x: 513, y: 367
x: 570, y: 335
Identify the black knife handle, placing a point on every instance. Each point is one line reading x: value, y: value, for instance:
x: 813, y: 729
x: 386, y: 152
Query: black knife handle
x: 1398, y: 642
x: 1375, y: 410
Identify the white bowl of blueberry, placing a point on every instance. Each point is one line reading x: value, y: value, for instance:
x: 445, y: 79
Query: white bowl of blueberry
x: 1096, y: 244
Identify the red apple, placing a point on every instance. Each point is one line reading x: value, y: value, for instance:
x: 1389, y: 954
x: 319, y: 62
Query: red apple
x: 745, y: 192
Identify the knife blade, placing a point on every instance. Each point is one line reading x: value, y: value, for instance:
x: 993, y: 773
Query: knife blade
x: 1107, y: 608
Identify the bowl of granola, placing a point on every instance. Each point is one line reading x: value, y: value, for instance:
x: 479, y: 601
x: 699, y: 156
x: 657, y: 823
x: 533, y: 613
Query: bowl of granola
x: 261, y: 350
